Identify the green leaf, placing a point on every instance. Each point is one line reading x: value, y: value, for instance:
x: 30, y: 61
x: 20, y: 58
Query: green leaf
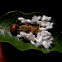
x: 5, y: 36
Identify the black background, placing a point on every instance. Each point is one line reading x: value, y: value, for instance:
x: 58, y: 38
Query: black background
x: 49, y: 8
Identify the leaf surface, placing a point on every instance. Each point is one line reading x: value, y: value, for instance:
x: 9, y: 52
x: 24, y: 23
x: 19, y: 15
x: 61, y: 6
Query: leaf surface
x: 11, y: 18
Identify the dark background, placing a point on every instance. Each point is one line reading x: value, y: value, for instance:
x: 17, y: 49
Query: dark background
x: 52, y: 9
